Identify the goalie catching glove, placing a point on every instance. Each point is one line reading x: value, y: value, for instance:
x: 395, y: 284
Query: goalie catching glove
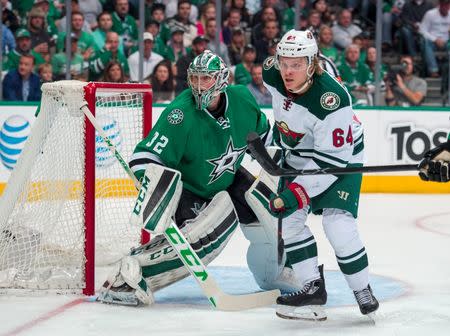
x: 435, y: 165
x: 293, y: 198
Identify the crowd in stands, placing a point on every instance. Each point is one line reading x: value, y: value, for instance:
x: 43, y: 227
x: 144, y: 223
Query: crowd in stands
x: 105, y: 43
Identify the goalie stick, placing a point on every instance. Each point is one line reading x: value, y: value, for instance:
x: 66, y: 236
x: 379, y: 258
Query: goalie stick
x: 189, y: 257
x: 259, y: 152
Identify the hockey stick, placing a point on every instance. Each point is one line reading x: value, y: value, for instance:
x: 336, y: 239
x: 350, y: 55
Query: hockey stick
x: 259, y: 152
x: 189, y: 257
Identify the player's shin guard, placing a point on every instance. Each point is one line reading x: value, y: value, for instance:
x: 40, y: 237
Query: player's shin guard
x: 262, y: 254
x: 208, y: 234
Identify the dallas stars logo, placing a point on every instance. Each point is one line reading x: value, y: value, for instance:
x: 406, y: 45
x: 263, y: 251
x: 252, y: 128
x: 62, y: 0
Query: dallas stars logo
x: 226, y: 162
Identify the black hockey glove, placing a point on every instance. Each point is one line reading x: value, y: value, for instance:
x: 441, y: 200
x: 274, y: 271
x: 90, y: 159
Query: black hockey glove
x: 435, y: 164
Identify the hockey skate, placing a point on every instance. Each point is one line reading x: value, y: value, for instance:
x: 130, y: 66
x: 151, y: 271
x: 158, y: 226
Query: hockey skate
x: 367, y: 302
x: 305, y: 304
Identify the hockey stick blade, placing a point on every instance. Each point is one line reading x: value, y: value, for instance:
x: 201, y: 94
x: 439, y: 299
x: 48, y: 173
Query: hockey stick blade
x: 259, y: 152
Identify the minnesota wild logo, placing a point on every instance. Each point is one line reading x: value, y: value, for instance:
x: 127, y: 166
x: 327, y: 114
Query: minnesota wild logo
x: 330, y: 101
x: 289, y: 137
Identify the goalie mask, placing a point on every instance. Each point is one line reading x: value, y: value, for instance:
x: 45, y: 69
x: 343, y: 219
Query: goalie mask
x: 296, y: 44
x: 207, y: 78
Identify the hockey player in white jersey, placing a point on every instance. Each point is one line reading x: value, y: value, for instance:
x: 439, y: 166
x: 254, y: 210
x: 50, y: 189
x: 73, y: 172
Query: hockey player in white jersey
x: 316, y: 127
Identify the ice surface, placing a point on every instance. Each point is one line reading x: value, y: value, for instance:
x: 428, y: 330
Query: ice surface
x: 407, y: 239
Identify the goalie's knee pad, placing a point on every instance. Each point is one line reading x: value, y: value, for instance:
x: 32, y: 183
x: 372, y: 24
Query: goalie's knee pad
x: 125, y: 285
x: 208, y: 234
x: 262, y: 254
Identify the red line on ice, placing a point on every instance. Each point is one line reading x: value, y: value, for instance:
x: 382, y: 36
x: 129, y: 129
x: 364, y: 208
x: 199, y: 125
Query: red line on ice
x: 421, y: 223
x: 44, y: 317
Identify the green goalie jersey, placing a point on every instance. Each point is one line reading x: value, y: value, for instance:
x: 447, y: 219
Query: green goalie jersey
x: 207, y: 151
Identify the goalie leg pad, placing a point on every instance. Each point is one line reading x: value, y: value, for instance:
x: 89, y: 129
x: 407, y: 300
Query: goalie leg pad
x: 208, y: 234
x: 125, y: 285
x: 262, y: 254
x: 157, y: 199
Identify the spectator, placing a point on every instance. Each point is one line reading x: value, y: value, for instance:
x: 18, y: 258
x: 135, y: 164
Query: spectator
x: 150, y: 59
x: 245, y: 15
x: 9, y: 18
x: 41, y: 40
x: 91, y: 9
x: 109, y: 52
x: 8, y: 41
x: 326, y: 17
x: 85, y: 26
x: 371, y: 60
x: 403, y: 88
x: 275, y: 5
x: 242, y: 70
x: 236, y: 47
x: 208, y: 11
x: 363, y: 42
x: 175, y: 47
x: 77, y: 69
x: 113, y: 73
x: 162, y: 81
x: 345, y: 30
x: 233, y: 21
x: 104, y: 20
x: 173, y: 6
x: 157, y: 12
x: 158, y: 45
x: 356, y: 76
x: 45, y: 72
x: 410, y: 18
x: 23, y: 47
x: 217, y: 47
x: 435, y: 28
x: 125, y: 25
x: 51, y: 13
x: 326, y: 44
x: 85, y: 40
x: 268, y: 14
x: 270, y: 32
x: 182, y: 20
x: 314, y: 22
x: 149, y: 7
x: 22, y: 84
x: 198, y: 46
x: 257, y: 88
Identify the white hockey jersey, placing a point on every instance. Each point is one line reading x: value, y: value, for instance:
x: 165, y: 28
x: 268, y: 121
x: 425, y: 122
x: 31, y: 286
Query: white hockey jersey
x: 317, y: 128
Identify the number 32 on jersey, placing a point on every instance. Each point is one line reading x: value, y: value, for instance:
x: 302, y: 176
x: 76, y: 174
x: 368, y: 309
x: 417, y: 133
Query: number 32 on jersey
x: 158, y: 142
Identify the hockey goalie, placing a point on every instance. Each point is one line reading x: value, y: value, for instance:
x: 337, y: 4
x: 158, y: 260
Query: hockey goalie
x: 190, y: 170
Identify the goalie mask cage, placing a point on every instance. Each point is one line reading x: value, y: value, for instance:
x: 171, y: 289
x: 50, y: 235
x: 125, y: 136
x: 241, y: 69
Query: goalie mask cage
x: 68, y: 200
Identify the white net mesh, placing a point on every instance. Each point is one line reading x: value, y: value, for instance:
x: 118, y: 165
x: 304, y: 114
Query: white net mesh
x: 42, y: 209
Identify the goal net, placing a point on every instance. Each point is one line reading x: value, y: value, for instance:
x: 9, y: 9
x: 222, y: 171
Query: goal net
x: 68, y: 200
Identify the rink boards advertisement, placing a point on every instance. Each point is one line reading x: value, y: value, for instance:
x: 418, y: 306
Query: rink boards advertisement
x: 392, y: 136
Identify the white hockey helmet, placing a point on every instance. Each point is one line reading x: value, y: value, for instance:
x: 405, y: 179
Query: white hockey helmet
x: 297, y: 43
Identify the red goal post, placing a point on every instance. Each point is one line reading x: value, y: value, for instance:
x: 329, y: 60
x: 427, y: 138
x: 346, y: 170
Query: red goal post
x: 68, y: 200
